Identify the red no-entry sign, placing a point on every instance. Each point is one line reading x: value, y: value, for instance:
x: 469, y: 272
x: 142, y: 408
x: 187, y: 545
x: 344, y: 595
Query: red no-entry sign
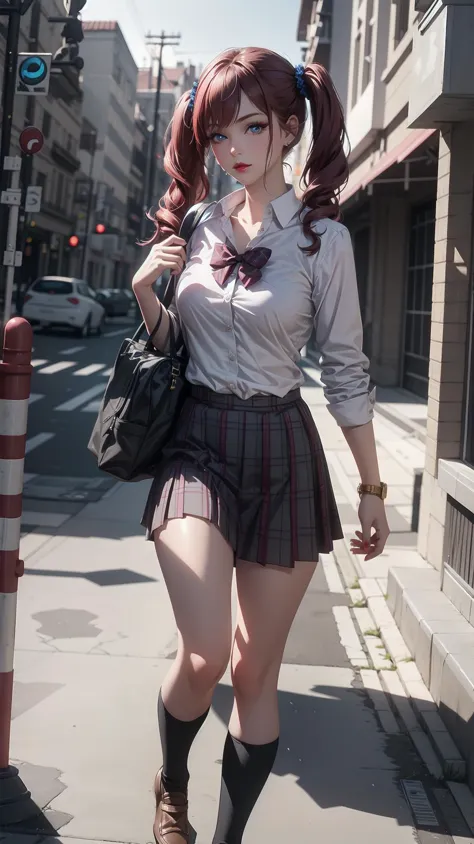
x: 31, y: 140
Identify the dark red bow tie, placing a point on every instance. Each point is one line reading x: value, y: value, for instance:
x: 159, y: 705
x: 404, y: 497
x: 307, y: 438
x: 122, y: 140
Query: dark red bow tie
x: 225, y: 258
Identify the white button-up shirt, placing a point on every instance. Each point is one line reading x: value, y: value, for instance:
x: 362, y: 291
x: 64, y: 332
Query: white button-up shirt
x: 247, y: 341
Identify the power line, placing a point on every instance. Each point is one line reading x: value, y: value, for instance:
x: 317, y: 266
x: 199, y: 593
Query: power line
x: 160, y: 41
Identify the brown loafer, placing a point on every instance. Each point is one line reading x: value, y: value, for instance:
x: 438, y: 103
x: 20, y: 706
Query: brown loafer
x: 171, y: 818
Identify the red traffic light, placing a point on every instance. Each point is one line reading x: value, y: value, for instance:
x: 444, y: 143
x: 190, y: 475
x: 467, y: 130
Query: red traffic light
x: 74, y: 241
x: 100, y: 228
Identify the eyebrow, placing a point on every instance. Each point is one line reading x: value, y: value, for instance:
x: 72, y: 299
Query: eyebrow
x: 251, y: 114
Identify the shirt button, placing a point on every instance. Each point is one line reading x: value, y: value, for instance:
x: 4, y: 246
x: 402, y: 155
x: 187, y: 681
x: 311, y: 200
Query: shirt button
x: 228, y: 326
x: 231, y: 356
x: 232, y: 386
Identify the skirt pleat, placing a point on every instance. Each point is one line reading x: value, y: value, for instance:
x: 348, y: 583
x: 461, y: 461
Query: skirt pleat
x: 256, y: 469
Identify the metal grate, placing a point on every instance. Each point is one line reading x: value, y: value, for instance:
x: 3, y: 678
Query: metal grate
x: 459, y: 541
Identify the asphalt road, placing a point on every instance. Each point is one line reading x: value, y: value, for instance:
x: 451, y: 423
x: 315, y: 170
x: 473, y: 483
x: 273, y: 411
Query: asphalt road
x: 68, y: 382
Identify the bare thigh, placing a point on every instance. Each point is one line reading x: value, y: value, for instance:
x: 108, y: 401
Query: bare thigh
x: 197, y: 565
x: 268, y: 600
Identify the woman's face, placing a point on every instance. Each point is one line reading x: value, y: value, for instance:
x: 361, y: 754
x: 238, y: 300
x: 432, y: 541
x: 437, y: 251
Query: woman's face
x: 246, y: 142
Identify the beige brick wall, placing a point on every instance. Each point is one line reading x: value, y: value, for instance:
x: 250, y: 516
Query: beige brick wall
x: 449, y: 335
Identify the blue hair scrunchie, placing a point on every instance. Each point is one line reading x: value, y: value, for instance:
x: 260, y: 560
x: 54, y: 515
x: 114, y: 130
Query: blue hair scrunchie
x: 300, y: 83
x: 192, y: 95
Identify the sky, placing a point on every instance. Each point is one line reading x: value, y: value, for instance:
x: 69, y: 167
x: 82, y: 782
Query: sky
x: 207, y: 26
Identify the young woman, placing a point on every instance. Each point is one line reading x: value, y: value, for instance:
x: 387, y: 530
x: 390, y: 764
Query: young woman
x: 244, y: 482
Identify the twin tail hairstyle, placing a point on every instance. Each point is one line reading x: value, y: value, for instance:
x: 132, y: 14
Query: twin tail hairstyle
x: 270, y: 82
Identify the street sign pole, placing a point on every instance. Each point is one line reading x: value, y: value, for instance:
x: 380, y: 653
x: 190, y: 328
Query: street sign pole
x: 11, y: 258
x: 8, y: 99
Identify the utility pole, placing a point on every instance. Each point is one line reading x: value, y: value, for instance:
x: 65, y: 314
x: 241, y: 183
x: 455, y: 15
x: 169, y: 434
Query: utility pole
x: 160, y: 41
x: 91, y: 145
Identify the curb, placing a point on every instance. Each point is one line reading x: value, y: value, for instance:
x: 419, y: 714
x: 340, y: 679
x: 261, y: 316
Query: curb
x: 450, y: 764
x: 399, y: 679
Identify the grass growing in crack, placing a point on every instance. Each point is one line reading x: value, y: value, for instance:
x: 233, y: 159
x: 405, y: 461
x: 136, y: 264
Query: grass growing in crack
x: 407, y: 659
x: 360, y: 604
x: 373, y: 631
x: 356, y: 584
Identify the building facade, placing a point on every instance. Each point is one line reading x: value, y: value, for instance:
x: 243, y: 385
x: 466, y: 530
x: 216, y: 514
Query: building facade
x: 44, y: 236
x: 109, y: 83
x: 409, y: 207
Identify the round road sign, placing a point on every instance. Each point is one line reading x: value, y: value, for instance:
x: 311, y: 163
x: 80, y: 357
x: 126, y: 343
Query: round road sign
x: 33, y: 70
x: 31, y: 140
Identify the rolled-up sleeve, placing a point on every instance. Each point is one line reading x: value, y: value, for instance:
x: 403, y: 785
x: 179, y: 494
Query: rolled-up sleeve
x: 339, y: 335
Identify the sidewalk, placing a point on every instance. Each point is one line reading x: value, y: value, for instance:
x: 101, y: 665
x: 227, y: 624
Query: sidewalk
x: 403, y: 408
x: 401, y: 455
x: 85, y: 724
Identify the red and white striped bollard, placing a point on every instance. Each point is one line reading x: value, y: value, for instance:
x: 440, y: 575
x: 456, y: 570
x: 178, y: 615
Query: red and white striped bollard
x: 15, y: 381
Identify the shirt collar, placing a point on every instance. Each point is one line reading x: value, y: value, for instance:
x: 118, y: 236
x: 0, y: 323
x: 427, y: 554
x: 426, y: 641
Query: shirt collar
x: 284, y: 207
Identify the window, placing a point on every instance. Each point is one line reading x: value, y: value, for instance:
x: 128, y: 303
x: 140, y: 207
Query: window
x: 419, y: 296
x: 355, y: 67
x: 52, y: 287
x: 368, y: 43
x: 46, y: 123
x: 59, y: 190
x: 402, y: 20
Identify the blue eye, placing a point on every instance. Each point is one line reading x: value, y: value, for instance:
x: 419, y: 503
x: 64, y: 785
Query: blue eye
x: 259, y: 126
x: 215, y: 137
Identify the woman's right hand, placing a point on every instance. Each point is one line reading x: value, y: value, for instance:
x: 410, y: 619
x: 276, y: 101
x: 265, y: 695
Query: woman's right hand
x: 169, y: 254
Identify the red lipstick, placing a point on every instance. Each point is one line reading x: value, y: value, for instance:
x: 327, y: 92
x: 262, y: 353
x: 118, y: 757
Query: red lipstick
x: 241, y: 166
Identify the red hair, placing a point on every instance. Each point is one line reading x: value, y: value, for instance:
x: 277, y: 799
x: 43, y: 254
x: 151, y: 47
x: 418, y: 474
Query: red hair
x: 269, y: 81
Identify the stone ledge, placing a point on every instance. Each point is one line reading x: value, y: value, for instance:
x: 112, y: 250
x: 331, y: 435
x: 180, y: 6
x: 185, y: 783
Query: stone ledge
x: 441, y: 642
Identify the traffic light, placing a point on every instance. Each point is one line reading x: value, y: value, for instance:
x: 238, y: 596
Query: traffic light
x: 74, y: 241
x: 72, y: 34
x: 100, y: 228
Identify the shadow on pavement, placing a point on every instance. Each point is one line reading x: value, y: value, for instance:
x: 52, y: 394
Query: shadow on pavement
x: 334, y: 748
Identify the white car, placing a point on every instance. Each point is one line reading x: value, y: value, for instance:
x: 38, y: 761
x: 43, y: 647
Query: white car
x: 55, y: 300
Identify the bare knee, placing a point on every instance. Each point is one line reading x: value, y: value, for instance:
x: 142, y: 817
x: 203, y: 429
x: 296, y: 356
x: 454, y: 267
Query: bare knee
x: 251, y: 676
x: 205, y: 669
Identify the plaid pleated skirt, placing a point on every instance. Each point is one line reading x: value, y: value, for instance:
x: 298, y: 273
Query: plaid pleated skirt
x: 253, y: 467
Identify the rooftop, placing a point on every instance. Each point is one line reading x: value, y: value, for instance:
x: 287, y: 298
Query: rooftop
x: 99, y: 26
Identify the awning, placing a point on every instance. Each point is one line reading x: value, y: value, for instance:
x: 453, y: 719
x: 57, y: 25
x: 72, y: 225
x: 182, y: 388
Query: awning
x: 395, y: 156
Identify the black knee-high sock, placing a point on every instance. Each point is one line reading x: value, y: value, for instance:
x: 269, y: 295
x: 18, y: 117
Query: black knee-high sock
x: 245, y: 770
x: 176, y: 740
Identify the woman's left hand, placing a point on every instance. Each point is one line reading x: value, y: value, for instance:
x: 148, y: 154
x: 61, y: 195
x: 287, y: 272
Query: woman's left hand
x: 372, y: 515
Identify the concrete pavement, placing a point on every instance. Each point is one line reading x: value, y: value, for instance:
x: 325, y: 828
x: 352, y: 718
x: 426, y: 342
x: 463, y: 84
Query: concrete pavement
x: 95, y: 634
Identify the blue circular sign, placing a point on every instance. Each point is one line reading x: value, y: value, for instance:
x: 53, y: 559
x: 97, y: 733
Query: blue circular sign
x: 33, y: 70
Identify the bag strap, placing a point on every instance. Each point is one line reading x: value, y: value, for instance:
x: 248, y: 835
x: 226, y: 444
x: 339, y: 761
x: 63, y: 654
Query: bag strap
x: 195, y: 215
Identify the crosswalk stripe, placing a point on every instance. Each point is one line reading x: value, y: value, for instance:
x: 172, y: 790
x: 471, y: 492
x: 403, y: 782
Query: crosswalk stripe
x: 89, y: 370
x: 73, y: 350
x: 57, y: 367
x: 82, y: 398
x: 92, y: 407
x: 36, y: 441
x: 38, y: 362
x: 35, y: 397
x: 107, y: 372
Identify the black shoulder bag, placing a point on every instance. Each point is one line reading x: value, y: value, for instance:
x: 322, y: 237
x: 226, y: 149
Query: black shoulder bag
x: 145, y: 393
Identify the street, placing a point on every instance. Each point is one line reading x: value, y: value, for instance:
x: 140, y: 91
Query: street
x: 69, y: 378
x: 95, y: 634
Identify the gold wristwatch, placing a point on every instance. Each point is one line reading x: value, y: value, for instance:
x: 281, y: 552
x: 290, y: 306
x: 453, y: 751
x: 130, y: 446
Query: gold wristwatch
x: 373, y: 489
